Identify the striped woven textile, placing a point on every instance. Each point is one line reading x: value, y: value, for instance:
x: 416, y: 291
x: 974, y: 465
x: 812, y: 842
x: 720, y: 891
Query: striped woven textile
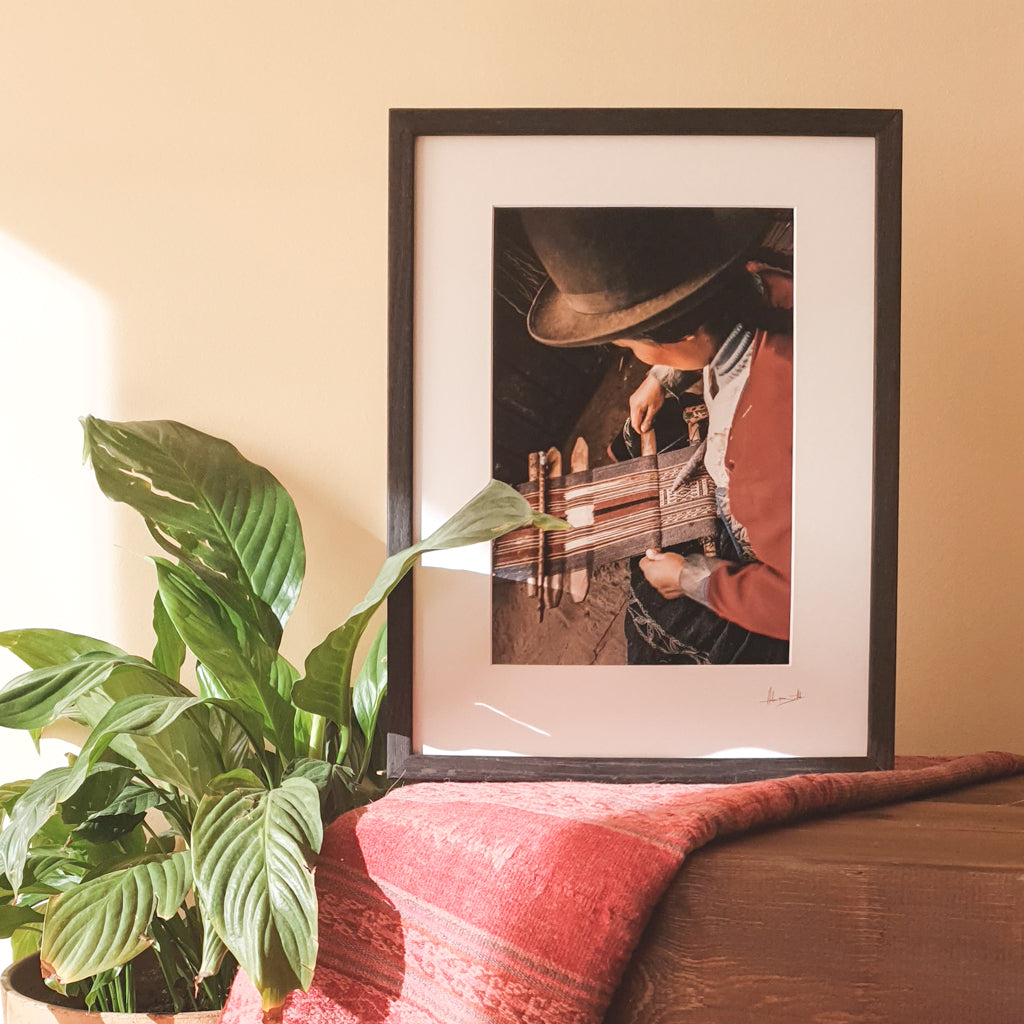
x: 520, y: 903
x: 614, y: 512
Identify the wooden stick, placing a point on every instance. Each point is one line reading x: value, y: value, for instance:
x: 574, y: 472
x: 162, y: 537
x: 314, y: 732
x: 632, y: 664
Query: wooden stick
x: 542, y: 498
x: 579, y: 579
x: 649, y: 446
x: 534, y: 471
x: 553, y: 583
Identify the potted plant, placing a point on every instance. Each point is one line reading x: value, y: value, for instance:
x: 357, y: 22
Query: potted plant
x: 187, y: 825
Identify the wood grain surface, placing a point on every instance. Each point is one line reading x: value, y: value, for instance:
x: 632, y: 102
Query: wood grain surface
x: 910, y: 913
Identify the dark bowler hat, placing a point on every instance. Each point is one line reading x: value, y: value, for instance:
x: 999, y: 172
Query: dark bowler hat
x: 612, y: 270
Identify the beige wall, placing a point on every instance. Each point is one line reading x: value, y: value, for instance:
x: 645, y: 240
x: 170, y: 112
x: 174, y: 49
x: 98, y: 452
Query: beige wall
x: 211, y: 177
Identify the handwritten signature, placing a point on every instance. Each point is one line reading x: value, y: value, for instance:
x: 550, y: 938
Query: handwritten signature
x: 778, y: 701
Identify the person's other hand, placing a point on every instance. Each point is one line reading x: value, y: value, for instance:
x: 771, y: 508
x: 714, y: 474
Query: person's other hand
x: 674, y: 575
x: 662, y: 569
x: 644, y: 404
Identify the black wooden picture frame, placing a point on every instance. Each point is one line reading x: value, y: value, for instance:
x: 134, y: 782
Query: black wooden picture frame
x: 406, y: 760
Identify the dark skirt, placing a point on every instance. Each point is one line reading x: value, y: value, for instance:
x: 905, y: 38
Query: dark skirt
x: 683, y: 632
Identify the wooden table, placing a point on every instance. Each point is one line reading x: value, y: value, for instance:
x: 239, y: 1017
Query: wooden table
x: 910, y: 913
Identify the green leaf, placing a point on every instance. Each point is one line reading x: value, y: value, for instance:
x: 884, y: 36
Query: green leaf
x: 10, y: 793
x: 231, y: 647
x: 209, y: 684
x: 252, y: 850
x: 214, y: 952
x: 26, y: 941
x: 39, y: 697
x: 133, y: 799
x: 35, y: 807
x: 496, y: 510
x: 102, y: 924
x: 169, y: 652
x: 50, y: 870
x: 232, y: 740
x: 104, y: 785
x: 13, y: 918
x: 333, y: 784
x: 370, y: 686
x: 223, y: 516
x: 163, y: 843
x: 186, y: 754
x: 282, y: 677
x: 40, y: 648
x: 54, y: 834
x: 108, y: 828
x: 227, y: 644
x: 147, y: 715
x: 108, y: 805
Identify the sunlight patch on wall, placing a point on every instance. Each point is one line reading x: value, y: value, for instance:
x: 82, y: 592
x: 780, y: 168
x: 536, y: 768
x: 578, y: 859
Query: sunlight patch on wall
x: 56, y: 532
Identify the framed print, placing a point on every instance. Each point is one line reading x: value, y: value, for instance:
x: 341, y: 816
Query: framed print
x: 678, y: 330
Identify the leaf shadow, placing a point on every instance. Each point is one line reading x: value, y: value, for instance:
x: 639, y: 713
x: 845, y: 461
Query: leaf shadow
x: 361, y: 961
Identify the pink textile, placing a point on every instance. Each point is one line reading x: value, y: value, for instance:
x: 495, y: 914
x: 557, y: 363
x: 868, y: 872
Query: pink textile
x: 521, y: 903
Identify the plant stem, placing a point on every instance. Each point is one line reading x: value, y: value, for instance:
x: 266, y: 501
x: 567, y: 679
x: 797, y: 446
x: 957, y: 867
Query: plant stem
x: 170, y: 805
x: 316, y: 737
x: 271, y: 763
x: 121, y: 989
x: 166, y: 968
x: 364, y: 761
x: 127, y: 994
x: 344, y: 734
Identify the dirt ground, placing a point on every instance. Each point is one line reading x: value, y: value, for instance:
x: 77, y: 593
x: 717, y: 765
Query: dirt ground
x: 589, y: 633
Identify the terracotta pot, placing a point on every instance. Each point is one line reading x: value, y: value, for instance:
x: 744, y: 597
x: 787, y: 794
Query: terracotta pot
x: 26, y: 1000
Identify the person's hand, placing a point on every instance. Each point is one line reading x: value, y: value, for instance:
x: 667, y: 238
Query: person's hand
x: 674, y: 575
x: 644, y: 404
x: 661, y: 569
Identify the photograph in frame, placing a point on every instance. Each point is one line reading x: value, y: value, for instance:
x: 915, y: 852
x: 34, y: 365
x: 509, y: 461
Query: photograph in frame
x: 825, y: 196
x: 617, y: 376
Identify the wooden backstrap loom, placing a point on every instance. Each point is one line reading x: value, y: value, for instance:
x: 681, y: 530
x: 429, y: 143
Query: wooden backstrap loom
x: 614, y: 512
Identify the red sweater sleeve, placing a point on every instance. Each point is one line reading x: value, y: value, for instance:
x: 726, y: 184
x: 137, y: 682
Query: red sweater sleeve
x: 759, y: 458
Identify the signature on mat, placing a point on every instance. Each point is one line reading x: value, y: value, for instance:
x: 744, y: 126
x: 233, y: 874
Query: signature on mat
x: 778, y: 699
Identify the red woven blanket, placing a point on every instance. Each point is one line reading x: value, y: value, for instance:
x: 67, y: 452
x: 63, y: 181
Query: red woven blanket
x: 462, y: 903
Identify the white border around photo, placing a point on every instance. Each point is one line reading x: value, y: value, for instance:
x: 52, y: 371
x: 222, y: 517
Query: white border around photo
x: 465, y: 705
